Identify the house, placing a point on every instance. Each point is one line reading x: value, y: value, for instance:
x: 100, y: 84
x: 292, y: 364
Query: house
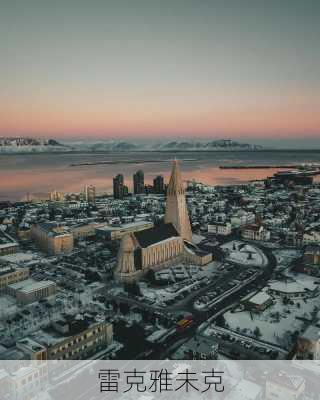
x: 257, y: 302
x: 311, y: 237
x: 312, y: 255
x: 220, y: 228
x: 7, y: 244
x: 255, y: 232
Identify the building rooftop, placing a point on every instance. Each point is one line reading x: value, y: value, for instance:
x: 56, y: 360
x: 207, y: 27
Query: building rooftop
x: 30, y: 345
x: 125, y: 226
x: 6, y: 270
x: 12, y: 353
x: 30, y: 285
x: 293, y: 287
x: 155, y: 235
x: 18, y: 257
x: 6, y: 240
x: 50, y: 336
x: 259, y: 298
x: 54, y: 228
x: 312, y: 333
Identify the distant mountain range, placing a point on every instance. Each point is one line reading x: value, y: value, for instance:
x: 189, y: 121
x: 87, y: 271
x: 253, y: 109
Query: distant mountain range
x: 218, y: 145
x: 22, y: 141
x: 221, y: 144
x: 28, y: 145
x: 21, y: 144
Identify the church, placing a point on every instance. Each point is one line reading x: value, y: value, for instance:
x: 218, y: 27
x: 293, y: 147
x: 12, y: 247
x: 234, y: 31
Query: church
x: 165, y: 245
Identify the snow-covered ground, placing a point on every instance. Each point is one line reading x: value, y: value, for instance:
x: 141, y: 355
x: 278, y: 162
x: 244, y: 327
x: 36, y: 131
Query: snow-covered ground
x: 278, y: 321
x: 286, y: 256
x: 244, y: 254
x: 183, y: 280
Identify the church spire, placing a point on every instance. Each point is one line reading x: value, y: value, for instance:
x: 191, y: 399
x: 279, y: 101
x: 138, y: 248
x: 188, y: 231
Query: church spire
x: 175, y: 184
x: 176, y: 207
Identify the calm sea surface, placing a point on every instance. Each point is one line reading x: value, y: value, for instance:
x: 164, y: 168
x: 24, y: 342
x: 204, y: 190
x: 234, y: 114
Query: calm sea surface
x: 38, y: 174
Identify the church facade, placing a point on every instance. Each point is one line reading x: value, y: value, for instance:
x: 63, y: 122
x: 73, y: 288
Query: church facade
x: 164, y: 245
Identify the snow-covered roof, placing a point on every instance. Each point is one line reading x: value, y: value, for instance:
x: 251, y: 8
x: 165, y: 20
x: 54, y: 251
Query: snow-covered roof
x: 260, y: 298
x: 293, y: 287
x: 30, y: 285
x: 17, y: 257
x: 312, y: 333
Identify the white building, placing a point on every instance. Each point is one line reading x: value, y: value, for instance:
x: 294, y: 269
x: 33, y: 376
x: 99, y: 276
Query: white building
x: 311, y: 237
x: 242, y: 218
x: 220, y: 228
x: 255, y: 232
x: 28, y: 291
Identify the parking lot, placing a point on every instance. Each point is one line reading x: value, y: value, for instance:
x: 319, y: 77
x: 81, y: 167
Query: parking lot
x: 208, y: 300
x: 241, y: 347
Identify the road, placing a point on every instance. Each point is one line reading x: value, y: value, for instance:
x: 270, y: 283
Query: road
x: 186, y: 305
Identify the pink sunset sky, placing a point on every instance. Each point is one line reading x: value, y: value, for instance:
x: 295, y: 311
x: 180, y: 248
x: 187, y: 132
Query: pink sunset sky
x: 182, y: 69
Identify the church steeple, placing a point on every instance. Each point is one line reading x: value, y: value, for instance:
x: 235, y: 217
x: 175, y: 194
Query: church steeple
x: 175, y: 186
x: 176, y: 207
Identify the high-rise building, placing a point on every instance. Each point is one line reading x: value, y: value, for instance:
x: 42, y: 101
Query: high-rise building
x: 118, y: 187
x: 138, y: 182
x: 176, y: 205
x: 56, y: 196
x: 90, y: 194
x: 158, y: 184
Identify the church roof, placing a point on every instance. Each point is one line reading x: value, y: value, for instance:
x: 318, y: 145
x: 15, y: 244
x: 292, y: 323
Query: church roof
x: 155, y: 235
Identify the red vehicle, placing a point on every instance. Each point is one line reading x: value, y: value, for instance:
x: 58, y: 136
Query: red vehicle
x: 184, y: 323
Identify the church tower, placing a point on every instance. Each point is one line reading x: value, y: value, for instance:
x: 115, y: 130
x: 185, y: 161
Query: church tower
x: 176, y: 207
x: 126, y: 267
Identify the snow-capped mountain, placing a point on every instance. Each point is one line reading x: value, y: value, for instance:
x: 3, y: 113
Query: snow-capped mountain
x: 28, y: 145
x: 221, y: 144
x: 34, y: 145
